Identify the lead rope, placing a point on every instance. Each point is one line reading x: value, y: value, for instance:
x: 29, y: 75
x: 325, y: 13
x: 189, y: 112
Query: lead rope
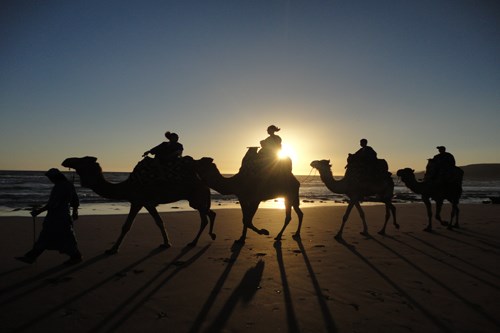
x: 306, y: 180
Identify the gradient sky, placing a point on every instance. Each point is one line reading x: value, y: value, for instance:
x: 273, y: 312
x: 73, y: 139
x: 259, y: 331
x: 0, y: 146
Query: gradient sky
x: 108, y: 78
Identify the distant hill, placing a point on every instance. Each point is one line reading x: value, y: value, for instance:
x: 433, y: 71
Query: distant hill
x: 484, y: 171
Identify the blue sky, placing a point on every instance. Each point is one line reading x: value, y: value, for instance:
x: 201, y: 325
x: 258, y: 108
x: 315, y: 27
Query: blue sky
x: 108, y: 78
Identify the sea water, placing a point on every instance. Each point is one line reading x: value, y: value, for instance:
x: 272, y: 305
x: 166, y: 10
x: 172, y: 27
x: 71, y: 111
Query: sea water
x: 21, y: 190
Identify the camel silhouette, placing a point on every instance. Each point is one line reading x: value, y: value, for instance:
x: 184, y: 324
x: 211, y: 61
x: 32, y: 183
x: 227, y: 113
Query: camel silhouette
x: 439, y: 191
x: 252, y: 189
x: 147, y: 194
x: 382, y: 188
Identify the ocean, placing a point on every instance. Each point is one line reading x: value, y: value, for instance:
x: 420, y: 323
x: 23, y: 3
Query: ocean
x: 20, y: 190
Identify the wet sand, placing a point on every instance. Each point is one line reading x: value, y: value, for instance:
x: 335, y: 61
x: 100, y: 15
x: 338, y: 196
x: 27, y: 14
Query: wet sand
x: 406, y: 281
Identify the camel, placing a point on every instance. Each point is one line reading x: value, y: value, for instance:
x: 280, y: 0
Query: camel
x: 145, y: 194
x: 438, y: 191
x: 251, y: 190
x: 356, y: 191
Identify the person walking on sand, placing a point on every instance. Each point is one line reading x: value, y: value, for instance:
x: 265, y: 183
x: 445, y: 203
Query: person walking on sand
x: 57, y: 231
x: 167, y: 151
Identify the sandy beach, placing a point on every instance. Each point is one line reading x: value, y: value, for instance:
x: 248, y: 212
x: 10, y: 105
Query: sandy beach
x: 406, y: 281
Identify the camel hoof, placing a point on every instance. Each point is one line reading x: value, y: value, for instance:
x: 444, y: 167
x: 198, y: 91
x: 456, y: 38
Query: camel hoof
x: 456, y: 226
x: 111, y: 252
x: 444, y: 223
x: 396, y: 225
x: 213, y: 236
x: 338, y: 237
x: 277, y: 238
x: 165, y: 246
x: 381, y: 232
x: 365, y: 233
x: 296, y: 237
x: 428, y: 229
x: 263, y: 232
x: 239, y: 242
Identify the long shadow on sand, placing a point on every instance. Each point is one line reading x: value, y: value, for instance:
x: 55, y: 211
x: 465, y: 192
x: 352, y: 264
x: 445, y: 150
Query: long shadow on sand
x: 200, y: 318
x: 475, y: 307
x: 46, y: 280
x: 244, y: 292
x: 10, y: 272
x: 444, y: 262
x: 29, y: 323
x: 325, y: 311
x: 290, y: 312
x: 432, y: 246
x: 174, y: 263
x: 469, y: 243
x: 481, y: 239
x: 441, y: 326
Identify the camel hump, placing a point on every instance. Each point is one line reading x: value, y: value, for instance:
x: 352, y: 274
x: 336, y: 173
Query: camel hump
x: 150, y: 171
x: 261, y: 166
x: 362, y: 172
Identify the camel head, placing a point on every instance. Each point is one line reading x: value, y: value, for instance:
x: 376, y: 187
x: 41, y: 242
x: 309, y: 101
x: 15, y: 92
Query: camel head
x: 205, y: 166
x: 405, y: 173
x: 321, y: 164
x: 86, y: 167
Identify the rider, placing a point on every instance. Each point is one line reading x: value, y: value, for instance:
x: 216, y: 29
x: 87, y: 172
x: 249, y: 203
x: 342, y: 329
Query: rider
x: 444, y: 162
x: 365, y: 156
x: 272, y: 144
x: 167, y: 151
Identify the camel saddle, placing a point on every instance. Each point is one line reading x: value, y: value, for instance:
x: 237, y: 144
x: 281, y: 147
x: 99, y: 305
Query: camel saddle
x: 152, y: 171
x: 258, y: 166
x: 363, y: 172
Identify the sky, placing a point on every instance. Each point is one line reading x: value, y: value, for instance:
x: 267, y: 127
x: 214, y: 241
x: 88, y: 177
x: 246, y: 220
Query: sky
x: 109, y: 78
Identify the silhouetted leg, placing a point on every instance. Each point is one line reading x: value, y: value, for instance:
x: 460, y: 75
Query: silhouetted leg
x: 300, y: 216
x: 362, y: 215
x: 344, y: 220
x: 134, y: 209
x: 454, y: 215
x: 211, y: 215
x: 439, y: 206
x: 288, y: 218
x: 387, y: 216
x: 428, y: 207
x: 203, y: 224
x: 248, y: 214
x: 159, y: 222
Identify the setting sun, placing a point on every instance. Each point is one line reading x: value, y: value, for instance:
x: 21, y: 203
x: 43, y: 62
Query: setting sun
x: 287, y: 151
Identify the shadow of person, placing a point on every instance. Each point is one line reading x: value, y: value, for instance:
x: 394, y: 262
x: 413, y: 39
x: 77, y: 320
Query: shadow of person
x: 244, y: 292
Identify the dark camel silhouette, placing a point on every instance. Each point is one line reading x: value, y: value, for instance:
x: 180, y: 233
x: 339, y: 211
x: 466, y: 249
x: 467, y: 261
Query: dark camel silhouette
x: 356, y: 191
x: 251, y: 190
x: 438, y: 191
x: 145, y: 194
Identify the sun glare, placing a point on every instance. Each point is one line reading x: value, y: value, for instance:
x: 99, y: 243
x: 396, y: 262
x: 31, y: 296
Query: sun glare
x: 287, y: 151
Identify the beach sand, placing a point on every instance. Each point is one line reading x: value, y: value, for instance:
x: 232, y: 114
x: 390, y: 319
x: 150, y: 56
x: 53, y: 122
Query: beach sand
x: 407, y: 281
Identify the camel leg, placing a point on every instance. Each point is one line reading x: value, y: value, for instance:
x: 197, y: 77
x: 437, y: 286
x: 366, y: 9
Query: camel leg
x: 134, y: 209
x: 428, y: 207
x: 159, y: 222
x: 300, y: 215
x: 362, y: 215
x: 389, y: 209
x: 203, y: 225
x: 338, y: 236
x: 454, y: 215
x: 249, y: 210
x: 211, y: 215
x: 288, y: 218
x: 439, y: 206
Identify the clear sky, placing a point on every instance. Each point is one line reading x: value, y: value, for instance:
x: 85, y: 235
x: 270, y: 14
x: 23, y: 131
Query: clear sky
x: 108, y: 78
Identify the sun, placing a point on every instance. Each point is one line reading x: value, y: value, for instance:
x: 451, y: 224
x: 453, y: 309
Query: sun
x: 287, y: 151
